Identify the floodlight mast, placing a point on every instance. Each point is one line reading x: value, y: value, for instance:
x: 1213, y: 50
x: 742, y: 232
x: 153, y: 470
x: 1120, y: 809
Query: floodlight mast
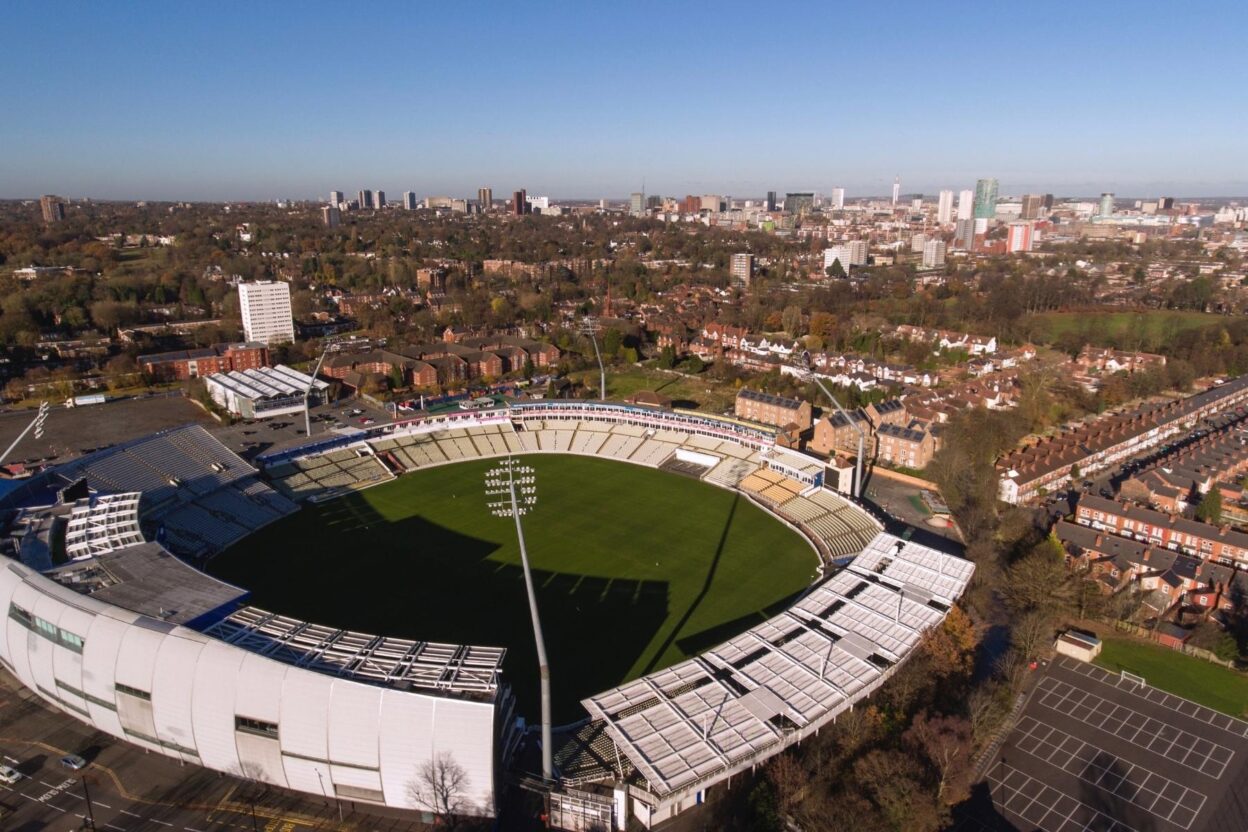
x: 862, y: 438
x: 515, y: 506
x: 36, y: 424
x: 307, y: 395
x: 590, y: 328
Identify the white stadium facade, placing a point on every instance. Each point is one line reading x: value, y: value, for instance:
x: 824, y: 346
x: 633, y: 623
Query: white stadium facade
x: 109, y: 621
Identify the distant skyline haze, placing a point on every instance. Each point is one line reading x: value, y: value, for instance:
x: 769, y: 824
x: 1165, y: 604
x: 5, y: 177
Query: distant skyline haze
x: 233, y: 102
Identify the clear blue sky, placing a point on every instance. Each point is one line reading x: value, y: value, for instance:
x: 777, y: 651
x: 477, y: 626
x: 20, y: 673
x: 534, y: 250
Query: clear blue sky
x: 179, y: 100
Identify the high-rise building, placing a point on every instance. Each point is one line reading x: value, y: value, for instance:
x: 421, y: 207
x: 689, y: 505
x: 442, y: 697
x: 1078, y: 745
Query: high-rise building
x: 838, y: 199
x: 380, y: 200
x: 1165, y: 203
x: 771, y: 200
x: 964, y: 232
x: 336, y: 198
x: 741, y: 270
x: 917, y: 241
x: 799, y: 203
x: 1033, y: 204
x: 409, y: 200
x: 519, y: 203
x: 366, y: 200
x: 636, y: 203
x: 265, y: 309
x: 1019, y: 236
x: 944, y: 208
x: 331, y: 216
x: 849, y: 253
x: 933, y: 254
x: 1107, y: 205
x: 896, y: 190
x: 966, y: 205
x: 985, y: 199
x: 485, y: 198
x: 916, y: 204
x: 52, y: 207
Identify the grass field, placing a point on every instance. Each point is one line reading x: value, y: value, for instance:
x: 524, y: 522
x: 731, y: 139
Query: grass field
x: 700, y: 392
x: 1216, y: 687
x: 1145, y: 330
x: 636, y: 568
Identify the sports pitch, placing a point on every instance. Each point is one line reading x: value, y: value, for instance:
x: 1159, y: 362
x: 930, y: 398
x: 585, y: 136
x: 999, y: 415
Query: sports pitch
x: 636, y: 568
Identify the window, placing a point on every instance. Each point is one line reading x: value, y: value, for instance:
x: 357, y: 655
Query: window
x: 71, y: 641
x: 255, y: 726
x: 21, y: 615
x: 46, y: 629
x: 135, y: 692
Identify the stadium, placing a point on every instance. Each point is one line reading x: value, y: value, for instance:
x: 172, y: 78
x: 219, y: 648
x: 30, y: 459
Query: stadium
x: 798, y: 608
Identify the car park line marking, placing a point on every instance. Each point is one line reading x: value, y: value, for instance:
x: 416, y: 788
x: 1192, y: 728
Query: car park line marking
x: 131, y: 814
x: 98, y: 803
x: 110, y: 826
x: 161, y: 822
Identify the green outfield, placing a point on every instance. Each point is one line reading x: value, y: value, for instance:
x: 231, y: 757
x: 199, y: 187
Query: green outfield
x: 636, y: 568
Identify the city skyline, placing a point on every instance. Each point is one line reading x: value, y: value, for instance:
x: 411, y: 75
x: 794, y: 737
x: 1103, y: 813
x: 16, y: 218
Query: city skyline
x: 603, y: 100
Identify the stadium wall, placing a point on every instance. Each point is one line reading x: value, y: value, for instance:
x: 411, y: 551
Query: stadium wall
x: 178, y: 692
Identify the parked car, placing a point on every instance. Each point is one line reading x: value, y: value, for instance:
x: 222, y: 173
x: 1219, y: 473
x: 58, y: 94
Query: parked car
x: 9, y: 776
x: 73, y: 762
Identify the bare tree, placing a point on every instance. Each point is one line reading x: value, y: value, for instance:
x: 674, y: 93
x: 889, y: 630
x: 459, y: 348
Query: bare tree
x: 441, y: 784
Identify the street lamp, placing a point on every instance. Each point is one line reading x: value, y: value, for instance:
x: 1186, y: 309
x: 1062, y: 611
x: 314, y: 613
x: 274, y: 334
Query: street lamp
x: 36, y: 424
x: 862, y: 437
x: 337, y: 802
x: 511, y: 490
x: 589, y: 326
x: 87, y: 794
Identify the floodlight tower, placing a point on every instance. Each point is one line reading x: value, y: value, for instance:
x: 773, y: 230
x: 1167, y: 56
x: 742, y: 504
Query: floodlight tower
x: 590, y: 327
x: 511, y: 490
x: 307, y: 395
x: 862, y: 437
x: 36, y: 424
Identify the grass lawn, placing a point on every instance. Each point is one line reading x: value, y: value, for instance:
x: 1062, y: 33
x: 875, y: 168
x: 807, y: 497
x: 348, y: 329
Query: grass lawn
x: 1147, y: 330
x: 1216, y: 687
x: 700, y: 392
x: 636, y: 568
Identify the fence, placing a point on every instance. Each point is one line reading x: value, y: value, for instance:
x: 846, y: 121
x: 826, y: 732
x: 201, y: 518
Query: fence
x: 1188, y: 649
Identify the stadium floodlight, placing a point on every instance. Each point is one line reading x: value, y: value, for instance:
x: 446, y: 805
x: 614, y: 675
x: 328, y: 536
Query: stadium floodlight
x: 307, y: 395
x: 589, y: 326
x: 511, y: 491
x: 862, y: 437
x: 36, y: 424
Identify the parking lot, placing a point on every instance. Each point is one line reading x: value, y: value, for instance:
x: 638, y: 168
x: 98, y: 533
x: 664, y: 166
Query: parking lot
x: 1096, y: 750
x: 133, y: 791
x: 250, y: 439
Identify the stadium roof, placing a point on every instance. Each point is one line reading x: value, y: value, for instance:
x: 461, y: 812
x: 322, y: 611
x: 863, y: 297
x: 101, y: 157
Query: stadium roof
x: 148, y: 580
x: 395, y: 662
x: 700, y: 721
x: 266, y: 382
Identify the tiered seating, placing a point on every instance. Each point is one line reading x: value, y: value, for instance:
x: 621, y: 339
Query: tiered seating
x: 619, y: 445
x: 730, y: 472
x: 341, y: 468
x: 651, y: 452
x: 588, y: 441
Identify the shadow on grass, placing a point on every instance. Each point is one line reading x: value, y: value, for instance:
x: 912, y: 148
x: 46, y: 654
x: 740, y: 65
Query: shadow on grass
x: 419, y: 580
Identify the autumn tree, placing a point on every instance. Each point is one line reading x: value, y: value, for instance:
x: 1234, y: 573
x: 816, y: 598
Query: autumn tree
x: 947, y: 742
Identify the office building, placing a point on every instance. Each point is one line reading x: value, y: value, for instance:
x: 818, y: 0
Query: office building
x: 985, y: 199
x: 519, y: 203
x: 966, y: 203
x: 331, y: 216
x: 741, y: 270
x: 1165, y: 203
x: 944, y: 208
x: 799, y: 203
x: 771, y: 200
x: 265, y: 309
x: 1033, y: 204
x: 52, y: 207
x: 336, y: 198
x: 1107, y: 205
x: 838, y: 199
x: 896, y: 190
x: 933, y: 254
x: 636, y: 203
x: 380, y: 200
x: 485, y: 198
x: 1019, y: 236
x: 366, y: 200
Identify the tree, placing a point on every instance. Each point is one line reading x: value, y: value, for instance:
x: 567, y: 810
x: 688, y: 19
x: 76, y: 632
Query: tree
x: 894, y: 782
x: 612, y: 339
x: 441, y: 784
x: 1209, y: 509
x: 947, y: 743
x: 835, y: 270
x: 667, y: 358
